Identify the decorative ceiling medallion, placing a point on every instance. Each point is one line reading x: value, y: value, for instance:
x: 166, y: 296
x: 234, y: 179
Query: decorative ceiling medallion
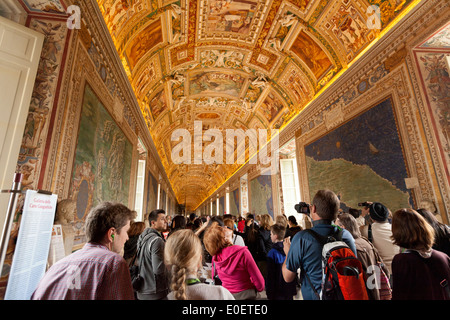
x: 262, y: 59
x: 182, y: 54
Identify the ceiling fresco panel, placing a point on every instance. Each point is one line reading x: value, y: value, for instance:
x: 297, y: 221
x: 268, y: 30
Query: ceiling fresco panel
x: 150, y: 37
x: 311, y: 54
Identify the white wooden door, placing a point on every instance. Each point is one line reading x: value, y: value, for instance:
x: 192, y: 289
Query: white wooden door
x: 20, y: 50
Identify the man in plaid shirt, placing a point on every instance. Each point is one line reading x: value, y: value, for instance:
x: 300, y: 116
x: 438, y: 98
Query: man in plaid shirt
x: 96, y: 272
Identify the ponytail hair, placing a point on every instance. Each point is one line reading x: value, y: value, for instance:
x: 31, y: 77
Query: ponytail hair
x: 182, y: 256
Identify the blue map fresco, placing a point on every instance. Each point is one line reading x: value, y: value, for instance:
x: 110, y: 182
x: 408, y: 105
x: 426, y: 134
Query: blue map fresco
x: 366, y: 148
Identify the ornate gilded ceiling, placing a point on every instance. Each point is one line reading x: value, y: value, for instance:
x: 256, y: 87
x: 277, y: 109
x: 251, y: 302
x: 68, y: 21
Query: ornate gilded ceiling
x: 233, y: 64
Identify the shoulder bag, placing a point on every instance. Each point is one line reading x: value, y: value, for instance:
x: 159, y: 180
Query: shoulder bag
x: 136, y: 279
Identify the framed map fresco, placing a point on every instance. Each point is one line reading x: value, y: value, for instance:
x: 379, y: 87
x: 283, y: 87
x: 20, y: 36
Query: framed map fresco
x: 362, y: 160
x: 214, y: 208
x: 162, y: 202
x: 222, y: 205
x: 152, y: 192
x: 103, y: 158
x: 261, y: 201
x: 234, y: 202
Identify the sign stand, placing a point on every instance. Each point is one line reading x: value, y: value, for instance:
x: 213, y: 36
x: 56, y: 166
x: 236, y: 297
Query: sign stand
x: 33, y: 241
x: 15, y: 191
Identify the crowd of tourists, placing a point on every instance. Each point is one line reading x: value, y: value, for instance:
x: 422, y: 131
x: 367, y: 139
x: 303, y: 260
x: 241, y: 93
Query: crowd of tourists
x: 402, y: 255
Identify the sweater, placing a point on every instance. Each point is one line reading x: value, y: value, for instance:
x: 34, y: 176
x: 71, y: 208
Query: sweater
x: 237, y: 269
x: 418, y: 278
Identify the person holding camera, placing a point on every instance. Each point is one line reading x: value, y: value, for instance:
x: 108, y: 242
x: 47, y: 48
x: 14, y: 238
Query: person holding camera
x: 304, y: 251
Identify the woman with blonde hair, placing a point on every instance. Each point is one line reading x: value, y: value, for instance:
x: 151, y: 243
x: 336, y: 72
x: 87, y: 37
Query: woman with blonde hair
x: 233, y: 264
x: 419, y: 272
x: 183, y: 257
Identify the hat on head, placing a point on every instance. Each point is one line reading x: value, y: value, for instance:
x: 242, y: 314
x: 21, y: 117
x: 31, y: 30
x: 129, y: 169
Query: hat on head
x: 378, y: 212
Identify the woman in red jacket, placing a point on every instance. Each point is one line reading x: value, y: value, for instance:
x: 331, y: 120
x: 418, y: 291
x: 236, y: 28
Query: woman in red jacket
x: 233, y: 264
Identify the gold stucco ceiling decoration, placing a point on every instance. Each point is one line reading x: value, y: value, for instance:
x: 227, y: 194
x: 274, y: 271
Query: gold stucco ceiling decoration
x: 233, y: 64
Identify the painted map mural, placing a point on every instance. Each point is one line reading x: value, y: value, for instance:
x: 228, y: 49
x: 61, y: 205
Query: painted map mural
x: 361, y: 160
x: 222, y: 205
x: 162, y: 201
x: 261, y: 195
x: 234, y: 202
x: 152, y: 192
x: 103, y: 158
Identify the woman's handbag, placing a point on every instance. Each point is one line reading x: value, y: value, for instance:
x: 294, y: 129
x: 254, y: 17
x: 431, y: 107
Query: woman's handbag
x: 136, y: 280
x: 216, y: 278
x: 385, y: 290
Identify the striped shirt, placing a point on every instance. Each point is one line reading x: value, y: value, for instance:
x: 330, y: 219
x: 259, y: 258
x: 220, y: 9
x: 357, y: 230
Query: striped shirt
x: 92, y: 273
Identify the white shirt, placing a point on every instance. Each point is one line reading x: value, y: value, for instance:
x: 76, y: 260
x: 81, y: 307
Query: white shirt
x: 237, y: 240
x: 382, y: 232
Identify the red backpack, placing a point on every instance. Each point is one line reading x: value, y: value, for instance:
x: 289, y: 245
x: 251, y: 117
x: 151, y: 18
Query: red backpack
x: 342, y: 272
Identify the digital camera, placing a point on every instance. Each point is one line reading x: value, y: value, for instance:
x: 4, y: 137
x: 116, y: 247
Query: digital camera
x: 302, y: 207
x: 363, y: 204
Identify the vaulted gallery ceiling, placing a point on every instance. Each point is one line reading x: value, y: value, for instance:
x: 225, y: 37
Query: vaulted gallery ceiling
x: 234, y: 64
